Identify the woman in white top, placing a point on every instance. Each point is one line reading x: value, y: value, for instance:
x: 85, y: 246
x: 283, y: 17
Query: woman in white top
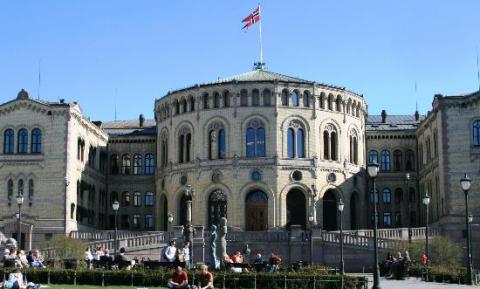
x: 171, y: 251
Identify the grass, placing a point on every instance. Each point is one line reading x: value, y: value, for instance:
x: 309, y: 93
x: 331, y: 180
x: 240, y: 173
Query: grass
x: 70, y: 286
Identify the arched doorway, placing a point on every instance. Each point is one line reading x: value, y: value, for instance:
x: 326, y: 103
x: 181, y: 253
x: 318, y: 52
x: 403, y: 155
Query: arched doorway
x: 163, y: 213
x: 354, y: 202
x: 217, y: 207
x: 256, y: 211
x: 330, y: 211
x: 296, y: 208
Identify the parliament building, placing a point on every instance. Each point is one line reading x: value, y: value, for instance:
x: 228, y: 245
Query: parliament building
x: 265, y: 150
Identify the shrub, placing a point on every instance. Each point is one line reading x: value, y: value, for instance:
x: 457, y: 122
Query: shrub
x: 66, y: 248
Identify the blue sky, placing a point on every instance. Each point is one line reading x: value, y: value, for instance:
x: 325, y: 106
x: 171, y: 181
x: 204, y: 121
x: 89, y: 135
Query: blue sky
x: 92, y: 50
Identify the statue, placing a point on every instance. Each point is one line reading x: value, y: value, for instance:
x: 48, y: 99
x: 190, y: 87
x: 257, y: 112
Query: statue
x: 222, y: 232
x: 213, y: 248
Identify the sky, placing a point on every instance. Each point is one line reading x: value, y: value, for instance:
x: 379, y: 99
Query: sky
x: 129, y: 53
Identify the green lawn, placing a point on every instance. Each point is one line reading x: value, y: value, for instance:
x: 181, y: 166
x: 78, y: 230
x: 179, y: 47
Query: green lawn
x: 69, y: 286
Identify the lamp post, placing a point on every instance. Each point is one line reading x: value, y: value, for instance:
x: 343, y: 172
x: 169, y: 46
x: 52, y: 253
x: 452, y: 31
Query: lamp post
x: 169, y: 225
x: 426, y: 202
x: 341, y: 205
x: 188, y: 231
x: 407, y: 180
x: 311, y: 220
x: 373, y: 172
x: 466, y: 182
x: 19, y: 220
x: 115, y: 207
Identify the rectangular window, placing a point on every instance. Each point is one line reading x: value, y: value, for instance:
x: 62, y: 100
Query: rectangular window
x: 148, y: 199
x: 136, y: 221
x: 398, y: 219
x: 387, y: 219
x: 387, y: 196
x: 137, y: 199
x: 148, y: 221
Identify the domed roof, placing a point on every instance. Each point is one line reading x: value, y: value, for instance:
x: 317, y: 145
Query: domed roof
x: 261, y: 75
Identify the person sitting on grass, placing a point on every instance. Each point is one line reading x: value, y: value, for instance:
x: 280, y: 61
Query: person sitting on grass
x: 179, y: 279
x: 205, y: 280
x: 124, y: 260
x: 274, y: 263
x: 15, y: 280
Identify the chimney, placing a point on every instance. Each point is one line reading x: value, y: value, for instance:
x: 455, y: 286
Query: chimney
x: 62, y: 100
x: 384, y: 116
x: 141, y: 120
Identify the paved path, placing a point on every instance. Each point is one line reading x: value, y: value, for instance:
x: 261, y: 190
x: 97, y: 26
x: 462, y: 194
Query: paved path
x: 414, y: 283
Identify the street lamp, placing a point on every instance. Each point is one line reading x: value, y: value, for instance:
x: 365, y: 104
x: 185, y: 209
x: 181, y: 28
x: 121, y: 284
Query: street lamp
x: 466, y: 182
x: 188, y: 231
x: 19, y: 222
x: 341, y: 205
x: 170, y: 218
x: 426, y: 202
x: 115, y: 207
x: 372, y: 170
x: 407, y: 180
x: 311, y: 219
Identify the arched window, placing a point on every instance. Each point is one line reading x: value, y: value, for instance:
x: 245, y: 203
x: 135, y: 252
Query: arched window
x: 217, y: 146
x: 216, y: 100
x: 137, y: 199
x: 295, y: 140
x: 10, y: 192
x: 8, y: 137
x: 20, y: 187
x: 409, y: 160
x: 114, y: 164
x: 330, y: 101
x: 285, y: 97
x: 137, y: 164
x: 30, y: 192
x: 255, y: 139
x: 255, y: 97
x: 348, y: 106
x: 36, y: 146
x: 295, y: 98
x: 306, y: 98
x: 353, y: 148
x: 385, y: 162
x: 177, y: 107
x: 267, y: 97
x: 226, y: 98
x: 372, y: 157
x: 192, y: 103
x: 113, y: 197
x: 125, y: 199
x: 217, y: 207
x: 357, y: 111
x: 243, y: 97
x: 149, y: 164
x: 322, y: 99
x: 338, y: 103
x: 205, y: 101
x: 164, y: 149
x: 126, y: 164
x: 476, y: 133
x: 387, y: 196
x: 397, y: 160
x: 184, y: 105
x: 398, y: 195
x: 22, y: 144
x: 148, y: 199
x: 330, y: 143
x: 184, y: 144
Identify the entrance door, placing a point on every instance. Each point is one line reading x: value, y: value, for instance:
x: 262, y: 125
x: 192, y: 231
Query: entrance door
x: 256, y: 211
x: 296, y: 208
x: 329, y: 211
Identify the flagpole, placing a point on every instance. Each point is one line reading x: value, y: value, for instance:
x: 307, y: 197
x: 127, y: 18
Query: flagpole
x: 260, y: 32
x: 478, y: 72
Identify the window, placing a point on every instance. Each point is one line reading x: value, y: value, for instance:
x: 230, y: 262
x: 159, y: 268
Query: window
x: 149, y: 164
x: 177, y: 107
x: 217, y: 207
x: 8, y: 136
x: 295, y: 98
x: 435, y: 143
x: 148, y: 199
x: 295, y: 140
x: 255, y: 139
x: 20, y: 187
x: 125, y: 221
x: 385, y: 163
x: 136, y: 221
x: 321, y: 99
x: 137, y: 164
x: 285, y: 97
x: 126, y: 164
x: 217, y: 146
x: 267, y: 97
x: 22, y: 144
x: 398, y: 219
x: 353, y: 147
x: 30, y: 192
x: 36, y: 141
x: 92, y: 157
x: 476, y: 133
x: 148, y: 221
x: 205, y: 101
x: 387, y: 196
x: 428, y: 144
x: 409, y: 161
x: 306, y: 98
x: 397, y: 160
x: 216, y: 100
x: 411, y: 195
x: 387, y: 219
x: 330, y: 102
x: 373, y: 157
x: 398, y: 195
x: 137, y: 199
x: 72, y: 211
x: 226, y: 98
x: 192, y: 103
x: 125, y: 199
x: 330, y: 143
x: 103, y: 161
x: 184, y: 144
x: 10, y: 192
x: 243, y: 98
x: 371, y: 197
x: 255, y: 97
x: 338, y: 103
x: 164, y: 149
x: 80, y: 149
x: 114, y: 164
x: 184, y: 105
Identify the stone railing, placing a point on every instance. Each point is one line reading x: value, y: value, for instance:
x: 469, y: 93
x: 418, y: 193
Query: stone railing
x: 107, y: 234
x: 360, y: 241
x: 396, y: 234
x: 258, y: 236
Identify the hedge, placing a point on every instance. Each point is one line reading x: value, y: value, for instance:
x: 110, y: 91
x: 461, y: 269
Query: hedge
x: 443, y: 274
x: 150, y: 278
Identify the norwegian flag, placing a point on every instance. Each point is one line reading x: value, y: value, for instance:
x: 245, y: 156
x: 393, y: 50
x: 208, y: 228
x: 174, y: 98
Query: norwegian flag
x: 251, y: 19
